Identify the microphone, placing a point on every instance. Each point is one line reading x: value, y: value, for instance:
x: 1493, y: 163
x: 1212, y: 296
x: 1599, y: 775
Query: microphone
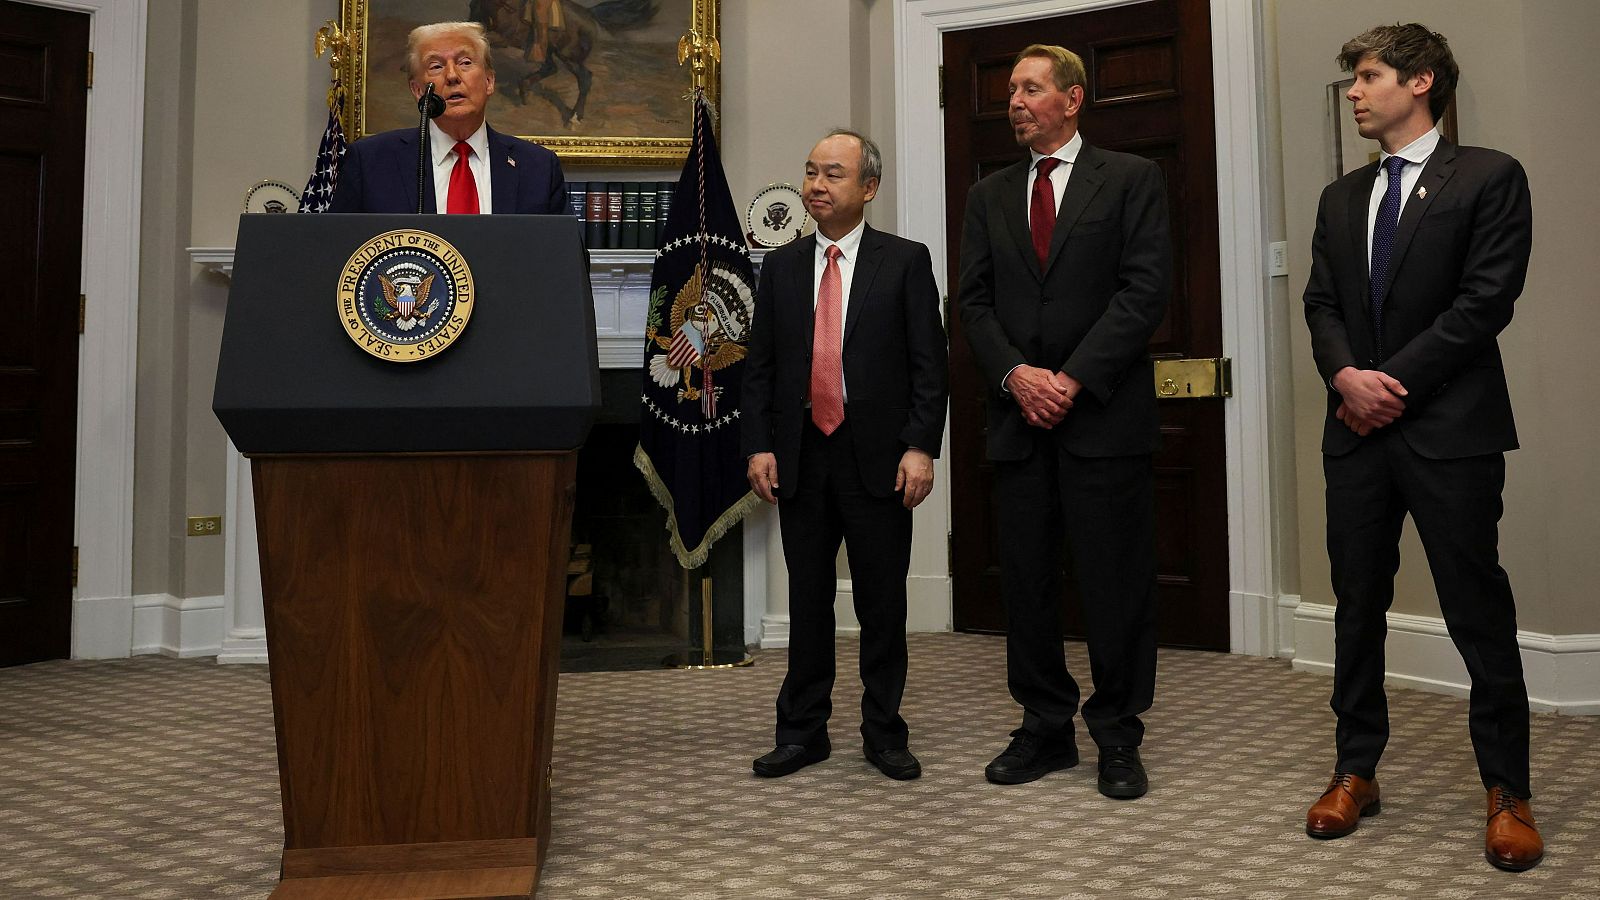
x: 430, y: 103
x: 429, y: 106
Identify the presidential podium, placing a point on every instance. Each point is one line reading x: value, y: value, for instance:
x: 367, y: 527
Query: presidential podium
x: 413, y: 521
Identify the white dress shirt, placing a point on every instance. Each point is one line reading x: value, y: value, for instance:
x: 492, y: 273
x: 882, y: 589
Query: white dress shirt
x: 1068, y: 154
x: 1416, y: 156
x: 444, y: 160
x: 849, y: 246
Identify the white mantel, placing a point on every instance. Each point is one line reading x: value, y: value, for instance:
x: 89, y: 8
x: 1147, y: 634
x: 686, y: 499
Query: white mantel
x: 620, y: 281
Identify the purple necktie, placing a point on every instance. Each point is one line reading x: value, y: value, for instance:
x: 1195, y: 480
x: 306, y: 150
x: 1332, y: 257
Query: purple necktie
x: 1383, y: 230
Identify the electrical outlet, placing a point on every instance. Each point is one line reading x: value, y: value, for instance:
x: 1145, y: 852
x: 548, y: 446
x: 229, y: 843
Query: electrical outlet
x: 1278, y: 258
x: 204, y: 526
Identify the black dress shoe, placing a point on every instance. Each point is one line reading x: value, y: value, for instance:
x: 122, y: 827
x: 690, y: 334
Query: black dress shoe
x: 786, y: 759
x: 898, y: 763
x: 1031, y: 757
x: 1121, y: 773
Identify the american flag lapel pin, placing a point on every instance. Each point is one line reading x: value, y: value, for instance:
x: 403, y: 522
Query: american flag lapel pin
x: 1422, y: 193
x: 511, y: 161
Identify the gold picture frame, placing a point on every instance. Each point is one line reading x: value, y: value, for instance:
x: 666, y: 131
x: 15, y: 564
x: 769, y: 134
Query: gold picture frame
x: 636, y: 110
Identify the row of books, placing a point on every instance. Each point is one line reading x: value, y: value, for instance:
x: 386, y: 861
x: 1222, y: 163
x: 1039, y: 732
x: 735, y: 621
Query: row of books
x: 621, y: 215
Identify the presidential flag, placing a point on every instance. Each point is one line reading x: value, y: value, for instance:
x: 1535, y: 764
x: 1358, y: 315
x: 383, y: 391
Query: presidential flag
x: 330, y: 153
x: 702, y: 294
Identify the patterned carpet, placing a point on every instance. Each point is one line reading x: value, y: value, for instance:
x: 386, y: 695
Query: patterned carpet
x: 155, y: 778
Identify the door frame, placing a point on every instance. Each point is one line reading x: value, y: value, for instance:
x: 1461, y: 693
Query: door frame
x: 102, y: 602
x: 1239, y: 74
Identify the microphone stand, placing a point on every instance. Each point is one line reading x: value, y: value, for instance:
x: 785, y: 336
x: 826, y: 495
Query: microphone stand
x: 429, y: 106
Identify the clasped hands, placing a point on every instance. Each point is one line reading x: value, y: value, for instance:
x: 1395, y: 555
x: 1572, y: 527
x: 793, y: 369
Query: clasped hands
x: 1043, y: 396
x: 914, y: 478
x: 1369, y: 399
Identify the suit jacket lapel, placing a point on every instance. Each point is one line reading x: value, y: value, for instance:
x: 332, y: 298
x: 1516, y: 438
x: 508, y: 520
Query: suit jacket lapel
x: 1083, y: 182
x: 407, y: 173
x: 1438, y: 169
x: 1013, y: 186
x: 803, y: 284
x: 1357, y: 209
x: 502, y: 176
x: 868, y: 256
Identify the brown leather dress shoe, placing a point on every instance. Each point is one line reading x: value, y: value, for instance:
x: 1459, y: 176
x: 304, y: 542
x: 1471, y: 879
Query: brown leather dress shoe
x: 1512, y: 840
x: 1342, y: 806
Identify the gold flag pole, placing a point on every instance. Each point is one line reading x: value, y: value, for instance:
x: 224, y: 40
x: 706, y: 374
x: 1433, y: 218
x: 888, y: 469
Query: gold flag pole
x: 706, y: 657
x: 703, y: 53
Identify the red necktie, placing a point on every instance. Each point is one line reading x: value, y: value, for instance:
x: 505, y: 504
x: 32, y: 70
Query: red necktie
x: 1042, y: 210
x: 827, y: 363
x: 463, y: 187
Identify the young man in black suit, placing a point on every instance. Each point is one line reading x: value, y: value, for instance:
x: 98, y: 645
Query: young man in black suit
x: 1415, y: 264
x: 1066, y: 266
x: 842, y: 414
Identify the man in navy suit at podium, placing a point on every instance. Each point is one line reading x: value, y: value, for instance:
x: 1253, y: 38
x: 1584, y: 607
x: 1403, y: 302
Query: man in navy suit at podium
x: 473, y: 168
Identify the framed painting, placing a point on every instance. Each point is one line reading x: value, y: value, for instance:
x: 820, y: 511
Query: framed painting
x: 1347, y: 149
x: 597, y: 81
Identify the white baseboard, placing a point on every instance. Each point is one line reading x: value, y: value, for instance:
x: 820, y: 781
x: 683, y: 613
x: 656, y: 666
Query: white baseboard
x: 177, y: 626
x: 928, y: 603
x: 1252, y: 624
x: 102, y: 627
x: 1287, y: 604
x: 244, y: 646
x: 1562, y: 670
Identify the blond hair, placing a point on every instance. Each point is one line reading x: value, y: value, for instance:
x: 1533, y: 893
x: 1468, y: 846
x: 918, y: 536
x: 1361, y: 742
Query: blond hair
x: 1064, y: 64
x: 471, y: 31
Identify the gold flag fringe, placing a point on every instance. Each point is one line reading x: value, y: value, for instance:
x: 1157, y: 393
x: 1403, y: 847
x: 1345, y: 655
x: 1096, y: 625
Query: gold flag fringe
x: 691, y: 559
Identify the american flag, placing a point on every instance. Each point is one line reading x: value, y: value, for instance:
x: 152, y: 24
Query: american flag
x: 330, y: 153
x: 685, y: 349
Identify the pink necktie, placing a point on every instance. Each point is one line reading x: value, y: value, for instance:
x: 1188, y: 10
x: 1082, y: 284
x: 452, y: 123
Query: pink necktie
x: 827, y: 363
x: 463, y: 187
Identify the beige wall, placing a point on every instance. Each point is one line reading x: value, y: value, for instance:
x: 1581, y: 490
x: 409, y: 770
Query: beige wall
x: 236, y: 96
x: 1511, y: 99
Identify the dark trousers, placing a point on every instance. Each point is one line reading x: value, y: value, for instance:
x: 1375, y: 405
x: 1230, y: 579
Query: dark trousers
x: 831, y: 504
x: 1104, y: 508
x: 1456, y: 506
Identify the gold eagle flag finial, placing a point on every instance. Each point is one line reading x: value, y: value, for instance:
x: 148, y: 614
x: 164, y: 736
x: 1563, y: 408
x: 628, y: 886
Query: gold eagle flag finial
x: 701, y: 51
x: 332, y: 40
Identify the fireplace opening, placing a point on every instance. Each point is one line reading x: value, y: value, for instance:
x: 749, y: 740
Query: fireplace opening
x: 629, y: 604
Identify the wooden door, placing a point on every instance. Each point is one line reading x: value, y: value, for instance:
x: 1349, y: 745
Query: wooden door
x: 1149, y: 93
x: 43, y: 94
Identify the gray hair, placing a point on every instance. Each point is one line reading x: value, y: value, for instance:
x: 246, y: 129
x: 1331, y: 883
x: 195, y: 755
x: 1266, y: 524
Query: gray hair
x: 871, y: 158
x: 472, y: 31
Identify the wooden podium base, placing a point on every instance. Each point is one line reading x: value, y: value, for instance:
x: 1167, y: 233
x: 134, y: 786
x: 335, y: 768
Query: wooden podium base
x: 413, y: 610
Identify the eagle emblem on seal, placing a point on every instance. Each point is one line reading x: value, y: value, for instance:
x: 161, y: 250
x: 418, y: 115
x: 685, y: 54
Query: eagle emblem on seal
x: 405, y: 296
x: 705, y: 333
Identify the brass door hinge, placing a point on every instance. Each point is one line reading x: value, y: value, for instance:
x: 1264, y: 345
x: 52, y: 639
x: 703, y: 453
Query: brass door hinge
x: 941, y: 87
x: 1192, y: 379
x: 74, y: 566
x: 83, y: 311
x: 90, y: 83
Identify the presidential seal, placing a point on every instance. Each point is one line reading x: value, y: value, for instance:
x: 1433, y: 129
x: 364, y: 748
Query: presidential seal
x: 701, y: 329
x: 776, y: 216
x: 405, y: 295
